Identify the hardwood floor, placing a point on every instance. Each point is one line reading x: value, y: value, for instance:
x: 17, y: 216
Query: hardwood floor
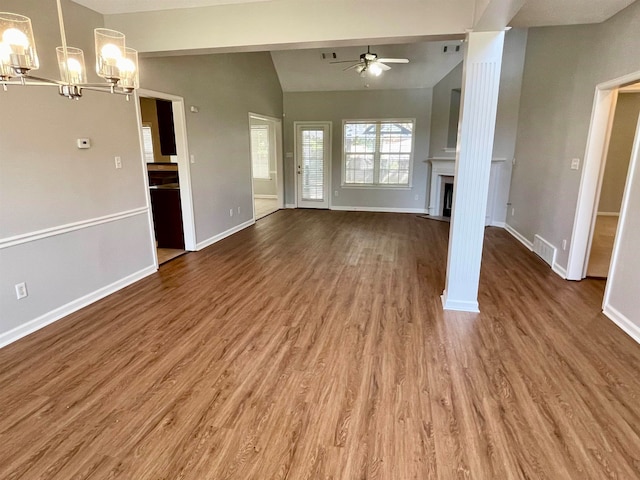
x: 313, y: 346
x: 604, y: 236
x: 265, y: 206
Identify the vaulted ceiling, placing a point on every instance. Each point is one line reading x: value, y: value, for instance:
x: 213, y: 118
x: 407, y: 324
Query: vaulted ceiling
x: 298, y: 32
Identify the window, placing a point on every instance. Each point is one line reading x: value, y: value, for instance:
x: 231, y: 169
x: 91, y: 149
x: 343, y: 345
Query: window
x: 260, y: 151
x: 378, y: 152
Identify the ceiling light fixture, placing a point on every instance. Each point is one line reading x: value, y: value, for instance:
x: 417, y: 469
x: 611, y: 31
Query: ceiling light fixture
x: 115, y: 62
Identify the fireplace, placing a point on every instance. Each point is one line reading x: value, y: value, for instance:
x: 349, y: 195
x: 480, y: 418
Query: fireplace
x: 447, y: 202
x: 443, y: 174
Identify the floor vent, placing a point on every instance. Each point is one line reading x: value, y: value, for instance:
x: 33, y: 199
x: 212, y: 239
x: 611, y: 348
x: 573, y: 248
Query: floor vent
x: 544, y: 250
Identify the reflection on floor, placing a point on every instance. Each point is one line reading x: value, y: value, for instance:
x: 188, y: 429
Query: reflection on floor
x: 166, y: 254
x: 603, y: 236
x: 265, y: 206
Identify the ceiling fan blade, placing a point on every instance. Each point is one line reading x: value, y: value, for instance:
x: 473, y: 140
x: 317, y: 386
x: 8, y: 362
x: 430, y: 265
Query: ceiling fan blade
x: 346, y: 61
x: 350, y: 67
x: 394, y: 60
x: 383, y: 66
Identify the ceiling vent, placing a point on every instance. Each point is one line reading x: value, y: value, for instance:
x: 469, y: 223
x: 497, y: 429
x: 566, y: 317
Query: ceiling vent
x: 449, y: 49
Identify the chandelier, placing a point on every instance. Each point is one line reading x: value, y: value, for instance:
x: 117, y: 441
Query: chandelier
x: 116, y: 63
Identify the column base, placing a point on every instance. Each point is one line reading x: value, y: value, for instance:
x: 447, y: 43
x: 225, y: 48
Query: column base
x: 459, y: 305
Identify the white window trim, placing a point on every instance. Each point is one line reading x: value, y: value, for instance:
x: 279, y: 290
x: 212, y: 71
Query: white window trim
x: 378, y: 186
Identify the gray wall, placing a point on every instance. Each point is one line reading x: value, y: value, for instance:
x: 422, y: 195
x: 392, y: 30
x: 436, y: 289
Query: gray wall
x: 562, y: 68
x: 623, y: 286
x: 506, y: 120
x: 622, y: 134
x: 353, y: 105
x: 440, y: 113
x: 46, y: 182
x: 225, y: 88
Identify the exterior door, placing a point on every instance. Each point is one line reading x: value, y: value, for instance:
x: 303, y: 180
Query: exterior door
x: 313, y: 159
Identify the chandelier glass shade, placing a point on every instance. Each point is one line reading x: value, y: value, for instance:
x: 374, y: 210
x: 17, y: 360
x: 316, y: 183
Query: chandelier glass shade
x: 116, y: 63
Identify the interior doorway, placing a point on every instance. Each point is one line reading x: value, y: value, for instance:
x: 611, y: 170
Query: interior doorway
x: 161, y: 121
x: 267, y: 182
x: 612, y: 182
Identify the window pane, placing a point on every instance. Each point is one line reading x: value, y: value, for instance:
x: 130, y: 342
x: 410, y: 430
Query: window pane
x: 385, y: 142
x: 313, y: 164
x: 260, y: 151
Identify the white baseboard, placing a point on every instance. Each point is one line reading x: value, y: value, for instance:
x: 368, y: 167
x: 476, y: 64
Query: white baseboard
x: 518, y: 236
x: 560, y: 270
x: 273, y: 197
x: 290, y: 205
x: 378, y: 209
x: 42, y: 321
x: 623, y: 322
x: 608, y: 214
x: 459, y: 306
x: 223, y: 235
x: 498, y: 224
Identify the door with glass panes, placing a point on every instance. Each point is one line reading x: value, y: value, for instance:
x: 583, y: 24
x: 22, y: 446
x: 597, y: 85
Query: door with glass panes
x: 313, y: 158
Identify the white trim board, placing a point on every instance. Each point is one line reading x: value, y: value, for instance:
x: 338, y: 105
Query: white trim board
x: 223, y: 235
x: 557, y: 269
x: 272, y: 197
x: 48, y: 318
x: 608, y: 214
x: 518, y: 236
x: 623, y: 322
x: 377, y: 209
x: 69, y: 227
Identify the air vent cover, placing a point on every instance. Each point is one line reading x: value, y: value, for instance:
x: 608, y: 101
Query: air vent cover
x: 544, y: 250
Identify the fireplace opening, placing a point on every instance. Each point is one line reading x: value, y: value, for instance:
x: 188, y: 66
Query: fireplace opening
x: 447, y: 204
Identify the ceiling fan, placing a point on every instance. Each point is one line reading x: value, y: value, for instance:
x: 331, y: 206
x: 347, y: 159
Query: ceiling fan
x: 371, y: 64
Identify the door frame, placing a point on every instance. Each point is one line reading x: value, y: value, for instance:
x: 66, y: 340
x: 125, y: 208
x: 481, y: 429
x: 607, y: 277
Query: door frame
x: 604, y: 106
x: 183, y: 161
x: 329, y: 126
x: 279, y: 149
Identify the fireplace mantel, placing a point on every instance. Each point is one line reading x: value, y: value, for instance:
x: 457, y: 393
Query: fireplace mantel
x: 442, y: 167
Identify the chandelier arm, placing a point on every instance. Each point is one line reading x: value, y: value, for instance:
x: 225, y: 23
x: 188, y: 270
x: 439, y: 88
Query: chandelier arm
x: 63, y: 37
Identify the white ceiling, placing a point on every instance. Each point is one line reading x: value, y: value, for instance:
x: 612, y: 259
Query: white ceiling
x: 534, y: 13
x: 305, y: 70
x: 539, y: 13
x: 108, y: 7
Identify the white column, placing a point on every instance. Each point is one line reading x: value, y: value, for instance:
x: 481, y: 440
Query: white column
x: 480, y: 85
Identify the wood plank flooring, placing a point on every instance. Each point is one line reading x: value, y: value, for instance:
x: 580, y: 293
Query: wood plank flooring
x: 313, y: 346
x: 604, y: 236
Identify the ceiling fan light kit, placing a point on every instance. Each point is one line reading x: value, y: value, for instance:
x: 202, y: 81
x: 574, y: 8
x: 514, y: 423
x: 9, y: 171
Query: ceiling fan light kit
x: 116, y: 63
x: 370, y: 64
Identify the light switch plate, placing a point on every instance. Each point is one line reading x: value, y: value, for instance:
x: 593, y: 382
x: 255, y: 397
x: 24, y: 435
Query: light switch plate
x: 575, y: 164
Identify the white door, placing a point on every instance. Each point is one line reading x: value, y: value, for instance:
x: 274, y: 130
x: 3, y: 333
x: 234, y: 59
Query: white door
x: 313, y: 159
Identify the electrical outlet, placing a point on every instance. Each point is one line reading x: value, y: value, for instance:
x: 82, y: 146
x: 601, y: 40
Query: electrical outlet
x: 231, y: 212
x: 513, y: 161
x: 193, y: 158
x: 513, y: 211
x: 118, y: 161
x: 564, y: 244
x: 238, y: 210
x: 21, y: 290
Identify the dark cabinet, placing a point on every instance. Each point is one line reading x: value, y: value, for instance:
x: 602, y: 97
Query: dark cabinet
x: 167, y: 217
